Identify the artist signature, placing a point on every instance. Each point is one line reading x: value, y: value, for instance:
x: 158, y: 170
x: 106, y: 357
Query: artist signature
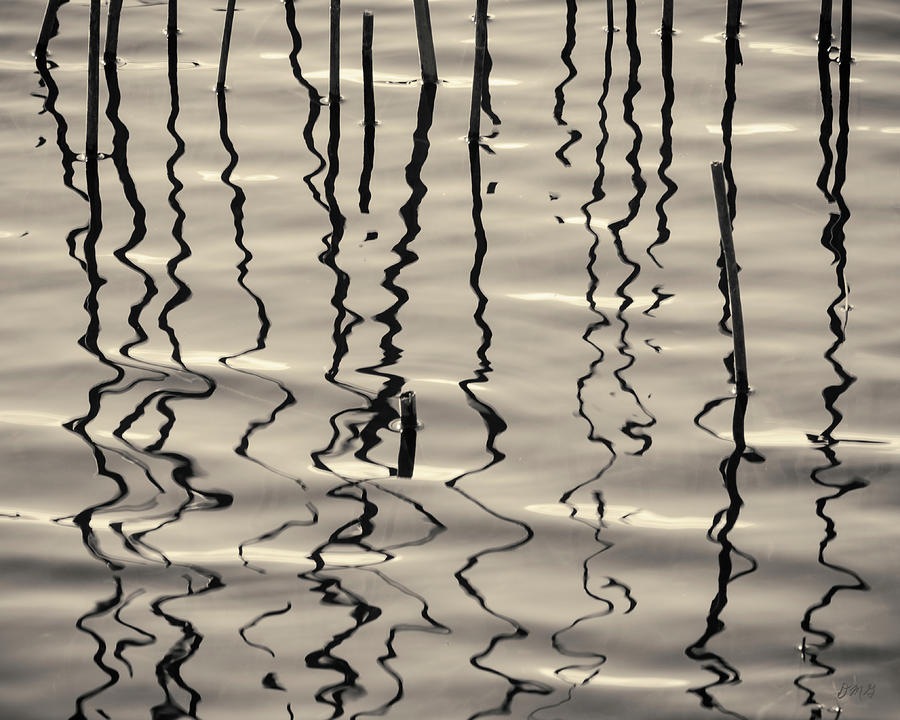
x: 856, y: 690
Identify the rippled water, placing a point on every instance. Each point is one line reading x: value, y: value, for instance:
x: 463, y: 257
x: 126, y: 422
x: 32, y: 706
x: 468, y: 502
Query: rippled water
x: 206, y: 511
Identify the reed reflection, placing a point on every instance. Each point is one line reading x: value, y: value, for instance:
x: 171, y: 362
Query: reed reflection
x: 723, y: 523
x: 818, y: 639
x: 494, y: 427
x: 665, y: 149
x: 315, y: 102
x: 566, y: 57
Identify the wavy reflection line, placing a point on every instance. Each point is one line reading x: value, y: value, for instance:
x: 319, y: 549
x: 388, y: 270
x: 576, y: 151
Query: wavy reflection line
x: 566, y: 57
x: 833, y: 239
x: 169, y: 668
x: 102, y: 608
x: 265, y: 325
x: 356, y: 530
x: 392, y: 383
x: 256, y: 621
x: 726, y: 519
x: 139, y: 212
x: 315, y: 101
x: 665, y: 149
x: 494, y: 425
x: 732, y: 58
x: 433, y: 627
x: 632, y: 429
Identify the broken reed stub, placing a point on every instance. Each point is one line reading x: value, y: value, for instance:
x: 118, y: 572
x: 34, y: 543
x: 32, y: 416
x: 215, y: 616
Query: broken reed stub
x: 409, y: 420
x: 226, y: 45
x: 426, y: 41
x: 742, y: 384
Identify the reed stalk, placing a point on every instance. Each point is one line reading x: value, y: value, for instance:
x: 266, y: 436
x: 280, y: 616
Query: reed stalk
x: 334, y: 56
x: 825, y: 25
x: 172, y: 18
x: 368, y: 81
x: 478, y: 73
x: 409, y: 419
x: 667, y: 15
x: 426, y: 41
x: 113, y: 15
x: 93, y: 83
x: 733, y: 19
x: 731, y: 272
x: 846, y: 27
x: 226, y: 45
x: 47, y: 28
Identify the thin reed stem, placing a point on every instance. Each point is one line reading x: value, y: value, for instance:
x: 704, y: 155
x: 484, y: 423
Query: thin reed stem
x: 731, y: 272
x: 93, y: 83
x: 113, y: 15
x: 48, y: 27
x: 426, y: 41
x: 368, y: 30
x: 226, y: 46
x: 334, y: 53
x: 667, y: 16
x: 478, y: 73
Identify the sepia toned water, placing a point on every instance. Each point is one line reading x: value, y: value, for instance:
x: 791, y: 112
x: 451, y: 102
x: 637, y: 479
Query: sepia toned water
x: 207, y: 510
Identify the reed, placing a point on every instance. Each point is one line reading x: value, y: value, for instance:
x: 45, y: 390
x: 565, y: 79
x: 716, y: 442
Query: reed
x: 667, y: 15
x: 93, y: 83
x: 334, y: 53
x: 409, y: 419
x: 733, y: 19
x: 113, y: 15
x: 846, y: 27
x: 47, y: 28
x: 731, y: 272
x: 172, y: 18
x: 825, y: 25
x: 478, y: 73
x: 368, y: 81
x: 426, y: 41
x: 226, y: 45
x: 409, y: 423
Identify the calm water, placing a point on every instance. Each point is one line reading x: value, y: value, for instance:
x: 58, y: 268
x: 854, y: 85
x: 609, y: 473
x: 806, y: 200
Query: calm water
x: 206, y: 333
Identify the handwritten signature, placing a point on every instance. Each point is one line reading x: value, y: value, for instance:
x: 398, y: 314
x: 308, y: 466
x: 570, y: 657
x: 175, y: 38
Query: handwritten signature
x: 856, y: 690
